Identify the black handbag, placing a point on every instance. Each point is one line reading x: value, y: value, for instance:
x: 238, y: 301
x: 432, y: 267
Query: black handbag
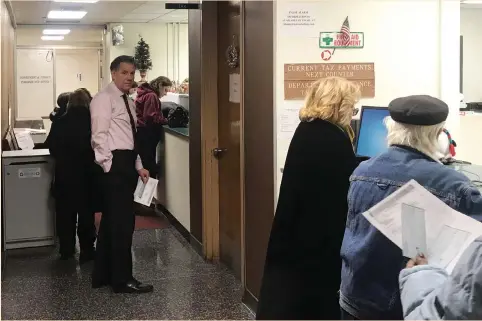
x: 178, y: 118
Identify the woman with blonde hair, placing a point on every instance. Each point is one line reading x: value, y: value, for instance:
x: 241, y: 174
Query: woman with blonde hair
x: 302, y: 268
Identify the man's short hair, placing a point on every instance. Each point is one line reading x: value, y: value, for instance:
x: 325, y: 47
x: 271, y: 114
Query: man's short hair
x: 115, y: 64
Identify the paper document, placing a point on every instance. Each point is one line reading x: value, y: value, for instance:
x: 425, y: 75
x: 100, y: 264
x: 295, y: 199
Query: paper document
x: 24, y: 140
x: 145, y: 192
x: 417, y: 221
x: 414, y: 239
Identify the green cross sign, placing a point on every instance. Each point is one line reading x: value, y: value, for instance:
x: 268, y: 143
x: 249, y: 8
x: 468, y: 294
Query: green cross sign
x: 327, y: 40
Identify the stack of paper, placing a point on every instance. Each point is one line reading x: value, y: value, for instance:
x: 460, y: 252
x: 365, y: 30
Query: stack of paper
x: 145, y: 192
x: 418, y: 222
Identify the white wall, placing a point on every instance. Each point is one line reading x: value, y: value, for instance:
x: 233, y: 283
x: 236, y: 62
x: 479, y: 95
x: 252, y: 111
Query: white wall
x: 402, y: 37
x: 168, y: 58
x: 83, y: 37
x: 471, y: 30
x: 176, y: 169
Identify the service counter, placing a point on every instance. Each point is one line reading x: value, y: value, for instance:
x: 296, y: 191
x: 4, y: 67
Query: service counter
x: 173, y: 189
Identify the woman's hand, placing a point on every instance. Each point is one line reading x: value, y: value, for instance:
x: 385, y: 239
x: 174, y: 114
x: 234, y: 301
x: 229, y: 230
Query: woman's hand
x: 418, y: 260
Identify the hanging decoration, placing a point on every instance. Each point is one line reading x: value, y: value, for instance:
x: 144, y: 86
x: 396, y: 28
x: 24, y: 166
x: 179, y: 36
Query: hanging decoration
x: 118, y: 35
x: 232, y: 54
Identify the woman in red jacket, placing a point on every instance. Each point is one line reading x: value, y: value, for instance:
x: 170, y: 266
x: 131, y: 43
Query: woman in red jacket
x: 150, y: 120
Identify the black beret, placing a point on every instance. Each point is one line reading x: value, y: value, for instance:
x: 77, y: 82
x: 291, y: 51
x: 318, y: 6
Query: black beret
x: 420, y: 110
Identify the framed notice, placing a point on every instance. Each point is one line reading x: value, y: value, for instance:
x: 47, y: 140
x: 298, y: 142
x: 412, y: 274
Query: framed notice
x: 35, y: 83
x: 298, y: 78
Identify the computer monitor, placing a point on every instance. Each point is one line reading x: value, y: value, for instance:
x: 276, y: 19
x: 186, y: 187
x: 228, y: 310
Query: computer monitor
x: 372, y: 136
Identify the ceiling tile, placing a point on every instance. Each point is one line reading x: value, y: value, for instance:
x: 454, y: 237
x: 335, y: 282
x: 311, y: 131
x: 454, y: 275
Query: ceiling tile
x: 152, y: 7
x: 141, y: 16
x: 102, y: 12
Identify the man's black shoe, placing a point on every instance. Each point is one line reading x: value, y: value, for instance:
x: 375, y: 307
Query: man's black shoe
x: 133, y: 287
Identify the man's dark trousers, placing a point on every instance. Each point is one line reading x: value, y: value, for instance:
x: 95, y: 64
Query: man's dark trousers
x: 113, y: 263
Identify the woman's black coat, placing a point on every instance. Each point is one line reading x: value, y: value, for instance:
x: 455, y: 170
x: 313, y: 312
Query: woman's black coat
x: 302, y: 269
x: 75, y: 170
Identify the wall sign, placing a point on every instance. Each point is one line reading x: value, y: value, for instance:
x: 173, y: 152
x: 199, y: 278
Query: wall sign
x: 35, y: 83
x: 299, y: 77
x: 335, y: 40
x: 182, y: 6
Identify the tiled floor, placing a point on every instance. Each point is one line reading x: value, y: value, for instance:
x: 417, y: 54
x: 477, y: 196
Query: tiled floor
x: 38, y: 286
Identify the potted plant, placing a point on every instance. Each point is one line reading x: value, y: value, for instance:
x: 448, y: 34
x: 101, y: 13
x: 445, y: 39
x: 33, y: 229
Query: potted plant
x: 143, y: 59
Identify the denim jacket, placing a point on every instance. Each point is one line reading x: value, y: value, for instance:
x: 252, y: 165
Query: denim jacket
x: 371, y: 262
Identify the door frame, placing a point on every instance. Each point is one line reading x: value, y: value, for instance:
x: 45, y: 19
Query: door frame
x: 54, y: 51
x: 210, y: 134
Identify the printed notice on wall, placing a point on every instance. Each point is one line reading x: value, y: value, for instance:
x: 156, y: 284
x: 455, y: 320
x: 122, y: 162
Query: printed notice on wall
x: 289, y: 119
x: 299, y: 19
x: 35, y: 87
x: 234, y: 88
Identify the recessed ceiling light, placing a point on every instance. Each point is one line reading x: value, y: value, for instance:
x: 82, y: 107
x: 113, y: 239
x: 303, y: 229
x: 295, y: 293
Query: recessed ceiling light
x: 66, y: 14
x: 77, y: 1
x: 52, y: 38
x: 56, y: 31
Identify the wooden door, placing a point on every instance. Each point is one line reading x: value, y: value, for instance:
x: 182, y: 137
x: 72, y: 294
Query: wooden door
x: 89, y: 70
x: 66, y: 72
x: 229, y: 131
x: 76, y: 69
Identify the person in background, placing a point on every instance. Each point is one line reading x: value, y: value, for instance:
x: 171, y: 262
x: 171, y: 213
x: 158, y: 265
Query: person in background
x: 371, y: 262
x: 113, y: 139
x: 302, y: 268
x: 428, y: 293
x: 62, y: 102
x: 150, y: 120
x: 69, y: 145
x: 133, y: 91
x: 87, y: 93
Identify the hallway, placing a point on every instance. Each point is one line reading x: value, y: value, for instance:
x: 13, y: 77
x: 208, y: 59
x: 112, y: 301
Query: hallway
x: 38, y: 286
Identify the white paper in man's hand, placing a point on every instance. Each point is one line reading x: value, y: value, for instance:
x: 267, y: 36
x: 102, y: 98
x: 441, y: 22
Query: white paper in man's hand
x: 414, y: 239
x: 145, y: 192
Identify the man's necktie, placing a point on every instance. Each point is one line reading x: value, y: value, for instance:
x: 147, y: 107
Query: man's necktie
x: 133, y: 124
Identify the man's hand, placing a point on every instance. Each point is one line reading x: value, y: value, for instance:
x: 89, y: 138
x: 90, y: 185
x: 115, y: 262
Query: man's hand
x: 144, y: 174
x: 419, y: 260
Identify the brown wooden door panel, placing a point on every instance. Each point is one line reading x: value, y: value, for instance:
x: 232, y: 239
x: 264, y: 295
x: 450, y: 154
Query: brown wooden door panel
x: 229, y: 116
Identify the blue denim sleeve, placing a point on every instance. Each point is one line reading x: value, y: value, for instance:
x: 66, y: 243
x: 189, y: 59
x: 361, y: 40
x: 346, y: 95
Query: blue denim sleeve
x: 471, y: 203
x: 419, y: 289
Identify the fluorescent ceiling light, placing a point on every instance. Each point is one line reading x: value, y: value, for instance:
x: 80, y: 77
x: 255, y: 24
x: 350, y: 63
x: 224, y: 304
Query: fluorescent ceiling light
x: 66, y: 14
x: 77, y: 1
x: 56, y: 31
x: 52, y: 38
x: 471, y: 1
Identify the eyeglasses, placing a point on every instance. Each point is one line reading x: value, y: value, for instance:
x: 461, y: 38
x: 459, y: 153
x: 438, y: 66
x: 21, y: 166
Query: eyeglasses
x: 355, y: 111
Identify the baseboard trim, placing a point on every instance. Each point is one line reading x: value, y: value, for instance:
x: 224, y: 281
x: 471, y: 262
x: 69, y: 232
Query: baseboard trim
x: 174, y: 222
x: 250, y: 301
x: 198, y: 247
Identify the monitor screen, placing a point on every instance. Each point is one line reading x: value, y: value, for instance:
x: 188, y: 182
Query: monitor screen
x: 372, y: 137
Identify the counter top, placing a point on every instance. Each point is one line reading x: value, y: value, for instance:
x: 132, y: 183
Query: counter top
x: 184, y: 132
x: 26, y: 153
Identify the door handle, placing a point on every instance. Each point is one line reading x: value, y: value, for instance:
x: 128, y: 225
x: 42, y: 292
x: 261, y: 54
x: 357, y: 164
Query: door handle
x: 219, y: 152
